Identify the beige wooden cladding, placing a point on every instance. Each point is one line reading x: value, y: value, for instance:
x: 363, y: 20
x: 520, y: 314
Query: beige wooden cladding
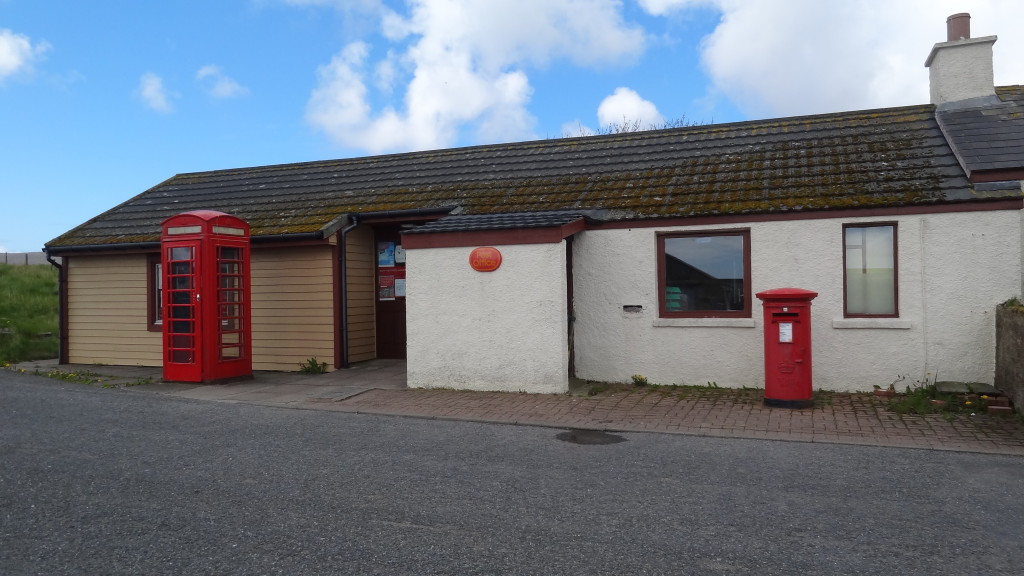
x: 362, y: 328
x: 107, y: 305
x: 292, y: 307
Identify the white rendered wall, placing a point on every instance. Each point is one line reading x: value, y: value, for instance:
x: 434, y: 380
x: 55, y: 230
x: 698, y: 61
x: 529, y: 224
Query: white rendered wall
x: 961, y: 70
x: 953, y: 270
x: 503, y: 330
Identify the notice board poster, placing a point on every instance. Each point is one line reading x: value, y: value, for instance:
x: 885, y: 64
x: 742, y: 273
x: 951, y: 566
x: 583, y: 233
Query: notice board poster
x: 385, y: 254
x: 386, y: 287
x: 390, y: 282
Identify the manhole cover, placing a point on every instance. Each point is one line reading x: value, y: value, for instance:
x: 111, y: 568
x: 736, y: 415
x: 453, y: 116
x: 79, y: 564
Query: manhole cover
x: 589, y: 437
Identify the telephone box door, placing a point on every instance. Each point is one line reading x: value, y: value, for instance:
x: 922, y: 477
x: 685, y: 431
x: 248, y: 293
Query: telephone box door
x: 229, y: 321
x: 182, y: 312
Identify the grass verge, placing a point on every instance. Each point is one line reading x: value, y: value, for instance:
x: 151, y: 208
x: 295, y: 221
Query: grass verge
x: 28, y: 313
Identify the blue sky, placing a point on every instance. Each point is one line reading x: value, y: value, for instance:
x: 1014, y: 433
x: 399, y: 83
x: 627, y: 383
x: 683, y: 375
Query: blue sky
x: 102, y: 99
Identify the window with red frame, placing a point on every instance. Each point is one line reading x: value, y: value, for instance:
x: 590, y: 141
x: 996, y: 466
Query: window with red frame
x: 869, y: 270
x: 704, y: 274
x: 154, y: 294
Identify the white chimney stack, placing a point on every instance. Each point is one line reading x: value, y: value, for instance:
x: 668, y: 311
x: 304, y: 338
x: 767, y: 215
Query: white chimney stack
x: 961, y: 67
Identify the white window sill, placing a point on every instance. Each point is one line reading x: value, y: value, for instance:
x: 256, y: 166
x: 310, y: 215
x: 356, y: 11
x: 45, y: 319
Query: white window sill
x: 704, y: 322
x: 872, y: 323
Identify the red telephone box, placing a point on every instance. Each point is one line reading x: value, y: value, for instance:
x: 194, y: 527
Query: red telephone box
x: 204, y: 259
x: 787, y: 347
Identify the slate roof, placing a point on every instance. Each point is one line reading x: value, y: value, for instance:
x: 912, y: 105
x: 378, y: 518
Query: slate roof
x: 867, y: 159
x: 504, y: 221
x: 988, y: 135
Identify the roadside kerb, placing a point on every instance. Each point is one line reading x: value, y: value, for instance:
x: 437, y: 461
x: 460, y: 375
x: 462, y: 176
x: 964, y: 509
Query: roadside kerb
x: 859, y: 419
x: 379, y: 388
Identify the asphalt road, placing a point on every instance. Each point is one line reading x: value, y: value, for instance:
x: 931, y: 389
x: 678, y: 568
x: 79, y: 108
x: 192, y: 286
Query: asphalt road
x: 96, y: 481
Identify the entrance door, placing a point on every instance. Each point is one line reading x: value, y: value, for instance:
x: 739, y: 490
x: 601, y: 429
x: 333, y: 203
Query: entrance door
x: 390, y: 305
x: 182, y: 353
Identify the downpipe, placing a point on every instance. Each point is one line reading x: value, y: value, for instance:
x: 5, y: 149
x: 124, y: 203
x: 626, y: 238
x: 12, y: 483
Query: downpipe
x: 343, y: 293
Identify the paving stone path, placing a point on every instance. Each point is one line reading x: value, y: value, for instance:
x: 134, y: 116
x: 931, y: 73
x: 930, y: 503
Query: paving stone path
x: 842, y: 418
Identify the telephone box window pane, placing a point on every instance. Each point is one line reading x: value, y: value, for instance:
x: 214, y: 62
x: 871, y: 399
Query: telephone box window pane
x: 181, y: 253
x: 230, y: 282
x: 181, y: 282
x: 230, y: 253
x: 181, y: 268
x: 229, y: 268
x: 181, y: 342
x: 230, y: 353
x: 230, y: 296
x: 228, y: 310
x: 181, y: 327
x: 230, y: 324
x: 705, y: 274
x: 230, y: 338
x: 181, y: 356
x: 870, y: 270
x: 181, y: 298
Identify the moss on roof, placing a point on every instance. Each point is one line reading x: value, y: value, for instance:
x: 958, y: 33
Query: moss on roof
x: 869, y: 159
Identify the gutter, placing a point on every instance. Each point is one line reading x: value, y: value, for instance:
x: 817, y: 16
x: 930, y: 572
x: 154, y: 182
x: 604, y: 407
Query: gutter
x: 151, y: 246
x: 147, y: 246
x: 343, y: 293
x: 62, y: 308
x: 318, y: 235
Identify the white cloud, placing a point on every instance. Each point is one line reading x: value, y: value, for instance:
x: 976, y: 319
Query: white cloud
x: 626, y: 108
x: 17, y: 53
x: 218, y: 84
x: 787, y: 57
x: 154, y: 95
x: 662, y: 7
x: 576, y: 128
x: 622, y: 111
x: 464, y: 66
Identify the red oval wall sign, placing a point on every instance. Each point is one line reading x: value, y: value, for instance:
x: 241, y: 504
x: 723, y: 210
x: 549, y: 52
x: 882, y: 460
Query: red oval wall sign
x: 485, y: 259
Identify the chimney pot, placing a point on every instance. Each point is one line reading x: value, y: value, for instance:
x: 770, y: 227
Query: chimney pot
x: 958, y: 27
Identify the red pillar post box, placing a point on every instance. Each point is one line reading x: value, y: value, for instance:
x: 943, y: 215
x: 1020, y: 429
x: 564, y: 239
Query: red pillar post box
x: 204, y: 268
x: 787, y: 347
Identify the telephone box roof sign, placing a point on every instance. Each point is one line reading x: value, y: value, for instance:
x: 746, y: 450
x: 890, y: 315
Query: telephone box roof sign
x: 204, y: 222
